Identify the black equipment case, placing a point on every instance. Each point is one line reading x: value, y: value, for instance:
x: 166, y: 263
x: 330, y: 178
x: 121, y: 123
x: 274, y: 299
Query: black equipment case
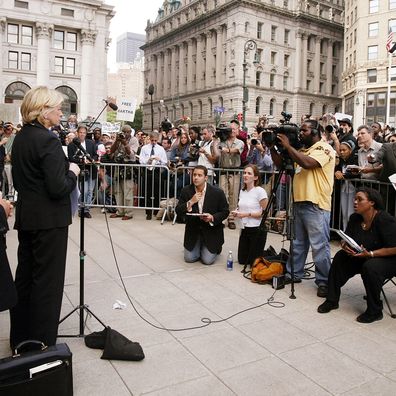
x: 44, y: 372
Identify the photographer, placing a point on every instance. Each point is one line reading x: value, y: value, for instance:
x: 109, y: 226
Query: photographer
x: 208, y: 152
x: 123, y: 151
x: 312, y: 188
x: 230, y: 158
x: 260, y: 155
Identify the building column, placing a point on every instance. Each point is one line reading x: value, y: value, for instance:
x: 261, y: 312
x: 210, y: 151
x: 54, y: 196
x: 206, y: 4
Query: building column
x: 209, y: 60
x: 304, y: 61
x: 166, y: 74
x: 219, y: 56
x: 329, y: 66
x: 152, y: 76
x: 182, y: 69
x: 298, y: 60
x: 43, y: 35
x: 316, y: 80
x: 88, y: 38
x: 190, y: 65
x: 199, y: 64
x: 159, y: 80
x: 173, y: 72
x: 3, y: 25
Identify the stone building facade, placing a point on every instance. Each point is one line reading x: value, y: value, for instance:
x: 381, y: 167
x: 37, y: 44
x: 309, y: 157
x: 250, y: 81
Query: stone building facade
x: 194, y: 57
x: 365, y: 76
x: 60, y: 44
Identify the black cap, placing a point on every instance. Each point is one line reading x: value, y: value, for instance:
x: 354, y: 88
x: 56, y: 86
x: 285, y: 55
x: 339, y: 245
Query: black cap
x: 345, y: 121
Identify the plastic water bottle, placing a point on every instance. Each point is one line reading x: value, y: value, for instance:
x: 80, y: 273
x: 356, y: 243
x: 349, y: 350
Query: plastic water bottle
x: 230, y: 261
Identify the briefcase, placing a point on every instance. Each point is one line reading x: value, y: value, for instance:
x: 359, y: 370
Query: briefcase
x: 43, y: 372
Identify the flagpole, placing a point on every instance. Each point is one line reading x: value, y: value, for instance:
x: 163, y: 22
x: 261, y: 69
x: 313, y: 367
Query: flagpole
x: 389, y: 88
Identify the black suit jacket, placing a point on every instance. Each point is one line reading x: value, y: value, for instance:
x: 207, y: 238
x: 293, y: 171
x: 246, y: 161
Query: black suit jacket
x: 388, y: 154
x: 8, y: 294
x: 90, y: 148
x: 42, y: 178
x: 216, y: 204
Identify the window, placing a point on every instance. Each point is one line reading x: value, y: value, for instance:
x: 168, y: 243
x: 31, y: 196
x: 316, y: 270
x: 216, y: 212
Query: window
x: 311, y: 108
x: 371, y: 75
x: 26, y: 63
x: 393, y: 73
x: 59, y: 64
x: 272, y: 80
x: 321, y: 86
x: 258, y: 105
x: 287, y: 34
x: 286, y: 60
x: 373, y: 29
x: 272, y: 106
x: 273, y: 33
x: 12, y: 33
x: 285, y: 81
x: 67, y: 12
x: 71, y: 41
x: 259, y: 29
x: 370, y: 100
x: 381, y: 99
x: 258, y: 78
x: 59, y: 37
x: 308, y: 85
x: 12, y: 60
x: 373, y: 6
x: 392, y: 25
x: 21, y: 4
x: 273, y: 57
x: 309, y: 63
x: 392, y: 4
x: 70, y: 66
x: 27, y: 35
x: 321, y: 68
x: 333, y: 90
x: 259, y: 54
x: 372, y: 52
x: 285, y: 103
x: 354, y: 36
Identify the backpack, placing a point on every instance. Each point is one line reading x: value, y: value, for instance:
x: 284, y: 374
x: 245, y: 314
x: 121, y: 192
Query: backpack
x: 264, y: 270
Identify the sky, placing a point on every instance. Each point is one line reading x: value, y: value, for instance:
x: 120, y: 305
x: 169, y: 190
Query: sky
x: 131, y: 16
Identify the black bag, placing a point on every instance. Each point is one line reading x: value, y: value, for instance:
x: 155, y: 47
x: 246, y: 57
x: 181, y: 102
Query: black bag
x: 43, y: 372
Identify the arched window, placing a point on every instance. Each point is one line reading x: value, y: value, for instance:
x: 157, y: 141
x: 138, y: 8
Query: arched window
x: 191, y: 110
x: 69, y: 105
x: 336, y: 109
x: 246, y: 27
x: 159, y: 115
x: 166, y: 114
x: 199, y: 109
x: 272, y: 107
x: 324, y: 109
x: 311, y: 108
x: 258, y: 78
x: 221, y: 101
x: 15, y: 92
x: 285, y: 105
x: 285, y: 80
x: 258, y: 105
x: 182, y: 110
x: 210, y: 107
x: 272, y: 78
x: 173, y: 112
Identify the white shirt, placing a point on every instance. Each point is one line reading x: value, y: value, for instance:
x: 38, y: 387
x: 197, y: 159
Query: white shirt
x: 249, y: 202
x: 159, y: 151
x: 203, y: 159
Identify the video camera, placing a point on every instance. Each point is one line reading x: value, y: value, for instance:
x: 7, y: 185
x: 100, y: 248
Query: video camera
x: 166, y: 125
x: 269, y: 134
x: 223, y: 132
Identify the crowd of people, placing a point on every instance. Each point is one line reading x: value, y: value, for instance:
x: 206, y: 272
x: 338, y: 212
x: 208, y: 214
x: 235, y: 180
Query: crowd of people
x: 220, y: 175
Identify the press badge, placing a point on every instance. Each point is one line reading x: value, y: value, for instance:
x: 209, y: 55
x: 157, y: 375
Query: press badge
x: 297, y: 169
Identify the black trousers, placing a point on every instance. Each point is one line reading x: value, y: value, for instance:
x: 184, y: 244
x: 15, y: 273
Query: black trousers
x: 39, y: 281
x: 251, y: 244
x: 373, y: 271
x: 151, y: 189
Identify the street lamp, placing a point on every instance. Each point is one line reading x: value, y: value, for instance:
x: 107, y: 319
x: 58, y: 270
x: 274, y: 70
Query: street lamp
x: 151, y: 92
x: 249, y: 45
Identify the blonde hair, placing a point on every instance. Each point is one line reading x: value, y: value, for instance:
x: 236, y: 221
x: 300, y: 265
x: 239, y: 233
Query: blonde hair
x: 38, y: 102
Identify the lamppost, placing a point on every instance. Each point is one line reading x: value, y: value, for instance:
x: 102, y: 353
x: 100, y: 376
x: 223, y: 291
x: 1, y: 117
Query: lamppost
x: 151, y: 92
x: 249, y: 45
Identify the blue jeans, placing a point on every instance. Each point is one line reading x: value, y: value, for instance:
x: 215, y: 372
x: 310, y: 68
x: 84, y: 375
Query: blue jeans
x: 200, y: 251
x: 89, y: 185
x: 312, y: 229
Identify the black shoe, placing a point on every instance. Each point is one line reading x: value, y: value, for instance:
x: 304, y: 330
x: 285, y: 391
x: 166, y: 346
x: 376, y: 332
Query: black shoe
x: 327, y: 306
x: 368, y: 318
x: 322, y: 291
x: 87, y: 215
x: 148, y: 216
x: 288, y: 280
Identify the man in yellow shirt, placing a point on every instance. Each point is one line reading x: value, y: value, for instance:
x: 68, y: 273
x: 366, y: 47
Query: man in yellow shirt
x: 312, y: 189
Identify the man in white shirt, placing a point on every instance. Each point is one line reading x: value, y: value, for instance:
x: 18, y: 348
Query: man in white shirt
x: 208, y: 154
x: 152, y: 154
x: 367, y: 155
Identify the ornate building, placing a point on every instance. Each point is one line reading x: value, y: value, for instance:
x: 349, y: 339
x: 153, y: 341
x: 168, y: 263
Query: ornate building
x: 61, y: 44
x: 365, y: 77
x: 197, y: 55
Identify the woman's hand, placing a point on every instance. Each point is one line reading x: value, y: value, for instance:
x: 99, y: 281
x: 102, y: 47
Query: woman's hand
x: 7, y: 207
x: 338, y: 175
x: 348, y: 249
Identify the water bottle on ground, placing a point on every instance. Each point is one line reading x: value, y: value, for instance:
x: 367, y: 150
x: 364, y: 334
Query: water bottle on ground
x: 230, y: 261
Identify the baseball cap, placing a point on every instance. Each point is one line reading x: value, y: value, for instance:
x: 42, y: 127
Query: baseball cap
x: 345, y: 121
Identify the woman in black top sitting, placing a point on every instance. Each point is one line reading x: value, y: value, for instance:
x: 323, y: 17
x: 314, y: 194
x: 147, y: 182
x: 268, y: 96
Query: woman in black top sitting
x: 374, y: 230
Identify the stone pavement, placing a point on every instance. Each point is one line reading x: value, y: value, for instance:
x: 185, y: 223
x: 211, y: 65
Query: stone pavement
x: 265, y: 351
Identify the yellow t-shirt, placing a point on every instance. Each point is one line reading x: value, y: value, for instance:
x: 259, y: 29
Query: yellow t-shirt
x: 316, y: 185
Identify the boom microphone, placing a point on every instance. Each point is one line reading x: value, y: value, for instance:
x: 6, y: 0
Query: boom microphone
x: 112, y: 106
x: 78, y: 144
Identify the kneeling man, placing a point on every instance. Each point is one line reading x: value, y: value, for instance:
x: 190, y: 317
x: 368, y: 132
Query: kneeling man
x: 205, y: 207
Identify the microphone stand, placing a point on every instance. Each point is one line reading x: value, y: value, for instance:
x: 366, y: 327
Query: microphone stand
x: 89, y: 127
x: 81, y: 306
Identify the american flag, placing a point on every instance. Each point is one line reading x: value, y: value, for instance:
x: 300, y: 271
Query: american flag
x: 389, y: 40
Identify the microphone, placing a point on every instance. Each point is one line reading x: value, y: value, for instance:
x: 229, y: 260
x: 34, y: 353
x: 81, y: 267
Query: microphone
x: 78, y: 144
x: 112, y: 106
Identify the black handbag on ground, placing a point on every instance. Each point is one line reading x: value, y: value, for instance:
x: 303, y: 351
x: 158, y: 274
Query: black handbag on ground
x: 43, y: 372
